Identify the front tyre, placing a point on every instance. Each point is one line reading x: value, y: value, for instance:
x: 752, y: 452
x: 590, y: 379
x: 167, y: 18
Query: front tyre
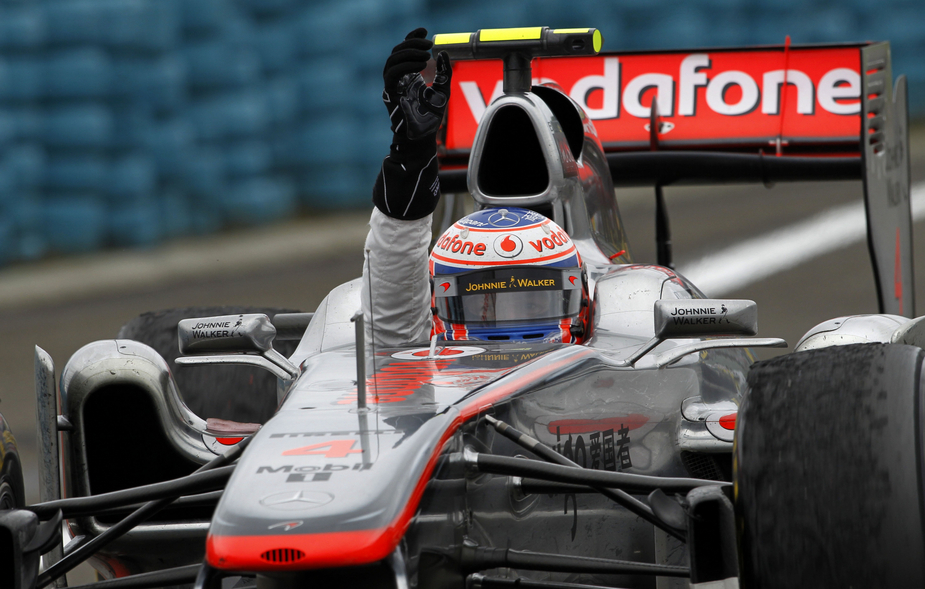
x: 828, y: 469
x: 12, y: 490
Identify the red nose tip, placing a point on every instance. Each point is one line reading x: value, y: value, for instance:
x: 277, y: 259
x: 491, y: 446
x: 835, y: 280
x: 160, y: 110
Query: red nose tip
x: 508, y: 244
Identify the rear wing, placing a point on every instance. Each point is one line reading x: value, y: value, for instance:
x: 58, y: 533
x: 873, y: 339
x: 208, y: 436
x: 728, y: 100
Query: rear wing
x: 765, y: 114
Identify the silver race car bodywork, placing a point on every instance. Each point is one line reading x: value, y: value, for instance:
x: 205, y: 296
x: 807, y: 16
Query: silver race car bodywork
x: 412, y: 466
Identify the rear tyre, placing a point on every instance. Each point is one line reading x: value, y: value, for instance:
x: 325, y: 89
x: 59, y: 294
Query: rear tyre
x: 828, y: 469
x: 238, y: 393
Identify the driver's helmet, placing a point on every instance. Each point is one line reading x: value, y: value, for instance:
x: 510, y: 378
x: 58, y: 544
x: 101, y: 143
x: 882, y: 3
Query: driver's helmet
x: 507, y: 275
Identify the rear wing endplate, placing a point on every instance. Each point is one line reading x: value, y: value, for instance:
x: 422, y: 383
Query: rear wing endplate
x: 887, y: 180
x: 739, y: 115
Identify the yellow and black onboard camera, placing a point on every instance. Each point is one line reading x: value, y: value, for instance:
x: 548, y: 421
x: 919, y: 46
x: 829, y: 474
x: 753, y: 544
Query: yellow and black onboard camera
x: 517, y: 47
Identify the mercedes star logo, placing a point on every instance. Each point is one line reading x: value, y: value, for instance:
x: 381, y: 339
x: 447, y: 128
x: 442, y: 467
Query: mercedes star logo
x: 504, y: 218
x: 296, y: 500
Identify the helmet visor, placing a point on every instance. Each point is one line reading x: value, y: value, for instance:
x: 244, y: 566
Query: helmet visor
x: 486, y: 297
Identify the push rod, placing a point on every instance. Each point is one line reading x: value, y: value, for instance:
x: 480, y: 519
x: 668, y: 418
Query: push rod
x: 477, y: 581
x: 638, y: 483
x: 209, y: 499
x: 475, y: 559
x: 198, y: 482
x: 167, y: 577
x: 141, y: 514
x: 621, y: 497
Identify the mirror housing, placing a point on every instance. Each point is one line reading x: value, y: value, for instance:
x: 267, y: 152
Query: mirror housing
x: 705, y: 317
x: 226, y: 333
x: 699, y: 318
x: 233, y: 339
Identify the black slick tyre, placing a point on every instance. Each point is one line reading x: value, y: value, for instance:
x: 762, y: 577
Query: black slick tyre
x: 12, y: 490
x: 237, y: 393
x: 828, y: 470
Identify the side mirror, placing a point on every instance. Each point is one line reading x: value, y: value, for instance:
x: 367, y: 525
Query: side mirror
x: 697, y: 318
x: 226, y: 333
x: 703, y: 317
x: 233, y: 339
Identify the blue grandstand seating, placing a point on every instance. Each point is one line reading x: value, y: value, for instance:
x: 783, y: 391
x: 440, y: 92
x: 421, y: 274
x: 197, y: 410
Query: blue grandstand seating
x: 127, y: 121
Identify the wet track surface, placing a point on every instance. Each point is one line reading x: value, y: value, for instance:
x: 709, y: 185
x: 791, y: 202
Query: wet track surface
x: 703, y: 220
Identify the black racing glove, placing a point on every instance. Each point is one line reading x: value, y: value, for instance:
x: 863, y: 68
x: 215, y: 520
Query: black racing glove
x: 407, y: 186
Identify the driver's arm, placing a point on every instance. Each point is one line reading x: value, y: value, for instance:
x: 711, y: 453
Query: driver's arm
x: 405, y: 195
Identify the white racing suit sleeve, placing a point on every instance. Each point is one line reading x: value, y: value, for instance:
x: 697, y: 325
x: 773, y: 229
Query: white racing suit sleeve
x: 396, y: 269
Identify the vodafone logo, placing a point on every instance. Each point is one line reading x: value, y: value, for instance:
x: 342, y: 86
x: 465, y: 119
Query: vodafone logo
x: 508, y: 245
x: 729, y: 92
x: 555, y: 239
x: 445, y: 353
x: 751, y: 94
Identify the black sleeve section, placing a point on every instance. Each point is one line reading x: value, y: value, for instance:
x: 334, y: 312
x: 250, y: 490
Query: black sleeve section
x: 408, y: 187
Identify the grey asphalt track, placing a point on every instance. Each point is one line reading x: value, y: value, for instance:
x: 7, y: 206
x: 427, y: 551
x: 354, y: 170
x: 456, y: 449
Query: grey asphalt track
x: 63, y: 304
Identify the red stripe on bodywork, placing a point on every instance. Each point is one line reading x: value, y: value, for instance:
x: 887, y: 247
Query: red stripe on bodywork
x: 586, y: 426
x: 516, y: 382
x: 338, y: 549
x: 332, y: 549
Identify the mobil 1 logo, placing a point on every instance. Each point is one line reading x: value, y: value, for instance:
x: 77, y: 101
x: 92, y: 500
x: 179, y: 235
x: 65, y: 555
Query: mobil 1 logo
x: 311, y: 473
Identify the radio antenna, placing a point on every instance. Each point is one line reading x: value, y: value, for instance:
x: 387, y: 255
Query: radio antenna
x: 372, y: 322
x: 361, y: 358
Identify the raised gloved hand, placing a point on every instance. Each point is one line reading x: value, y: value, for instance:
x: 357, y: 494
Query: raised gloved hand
x: 407, y: 187
x: 415, y: 109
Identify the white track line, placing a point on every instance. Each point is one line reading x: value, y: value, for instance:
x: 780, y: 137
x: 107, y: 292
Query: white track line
x: 755, y: 259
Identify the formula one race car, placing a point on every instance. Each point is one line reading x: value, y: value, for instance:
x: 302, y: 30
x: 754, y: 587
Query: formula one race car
x: 655, y: 454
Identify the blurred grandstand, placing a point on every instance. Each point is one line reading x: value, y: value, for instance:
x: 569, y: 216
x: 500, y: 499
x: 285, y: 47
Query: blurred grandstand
x: 126, y: 122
